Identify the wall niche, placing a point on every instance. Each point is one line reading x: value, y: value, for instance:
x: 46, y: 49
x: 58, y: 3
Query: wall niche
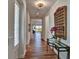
x: 60, y: 18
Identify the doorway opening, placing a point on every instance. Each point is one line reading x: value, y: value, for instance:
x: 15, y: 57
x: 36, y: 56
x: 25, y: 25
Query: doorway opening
x: 36, y: 27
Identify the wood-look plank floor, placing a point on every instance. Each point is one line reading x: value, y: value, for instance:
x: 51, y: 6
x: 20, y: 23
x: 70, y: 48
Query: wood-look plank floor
x: 38, y: 49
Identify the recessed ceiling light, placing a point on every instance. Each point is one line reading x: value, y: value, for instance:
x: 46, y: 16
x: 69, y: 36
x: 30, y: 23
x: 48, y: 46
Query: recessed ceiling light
x: 40, y: 4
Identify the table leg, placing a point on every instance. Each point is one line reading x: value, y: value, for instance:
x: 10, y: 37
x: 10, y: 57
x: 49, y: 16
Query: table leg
x: 58, y: 53
x: 68, y: 55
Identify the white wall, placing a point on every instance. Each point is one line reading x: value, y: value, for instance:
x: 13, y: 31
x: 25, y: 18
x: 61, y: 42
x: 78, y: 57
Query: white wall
x: 22, y: 40
x: 46, y: 27
x: 25, y: 35
x: 20, y: 49
x: 47, y: 23
x: 47, y: 32
x: 29, y: 33
x: 60, y: 3
x: 11, y: 29
x: 43, y: 29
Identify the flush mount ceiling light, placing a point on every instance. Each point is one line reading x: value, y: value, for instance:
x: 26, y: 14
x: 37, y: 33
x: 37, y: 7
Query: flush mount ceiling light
x: 40, y: 4
x: 37, y: 13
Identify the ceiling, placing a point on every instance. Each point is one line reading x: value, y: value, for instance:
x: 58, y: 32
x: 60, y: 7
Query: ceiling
x: 38, y: 13
x: 36, y: 21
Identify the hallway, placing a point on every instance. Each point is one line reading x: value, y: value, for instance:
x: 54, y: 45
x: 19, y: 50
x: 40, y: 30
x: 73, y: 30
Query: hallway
x: 51, y: 15
x: 38, y: 49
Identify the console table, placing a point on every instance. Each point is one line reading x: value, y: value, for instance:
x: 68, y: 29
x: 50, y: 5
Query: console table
x: 60, y: 47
